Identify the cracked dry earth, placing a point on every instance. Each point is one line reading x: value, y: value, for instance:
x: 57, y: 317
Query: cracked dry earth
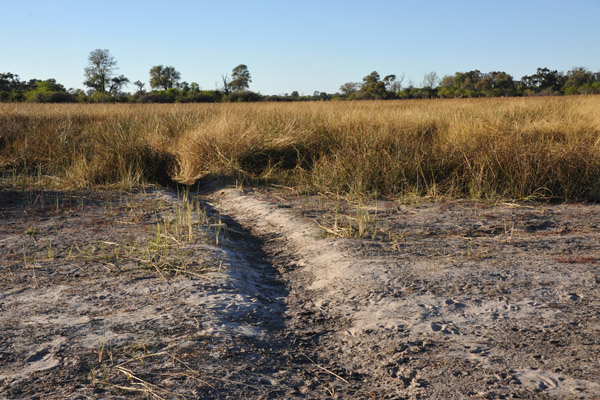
x: 444, y: 300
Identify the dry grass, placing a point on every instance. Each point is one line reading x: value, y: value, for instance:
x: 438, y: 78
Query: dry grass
x: 483, y: 148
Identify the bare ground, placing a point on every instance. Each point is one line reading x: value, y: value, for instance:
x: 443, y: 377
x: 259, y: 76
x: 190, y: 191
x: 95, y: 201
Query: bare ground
x: 299, y: 297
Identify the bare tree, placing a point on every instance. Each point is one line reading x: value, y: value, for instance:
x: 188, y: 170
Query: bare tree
x: 430, y: 79
x: 396, y: 86
x: 226, y: 83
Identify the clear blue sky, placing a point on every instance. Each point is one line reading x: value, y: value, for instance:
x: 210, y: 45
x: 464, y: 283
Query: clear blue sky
x: 302, y: 45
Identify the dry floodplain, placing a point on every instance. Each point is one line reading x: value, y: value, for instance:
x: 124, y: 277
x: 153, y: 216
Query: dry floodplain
x: 421, y: 269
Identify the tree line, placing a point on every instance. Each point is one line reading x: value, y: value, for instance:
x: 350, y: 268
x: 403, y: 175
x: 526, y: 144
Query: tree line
x: 165, y: 86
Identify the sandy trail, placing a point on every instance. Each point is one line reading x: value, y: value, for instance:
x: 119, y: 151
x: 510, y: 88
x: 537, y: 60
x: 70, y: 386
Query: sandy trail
x: 474, y: 302
x: 85, y: 315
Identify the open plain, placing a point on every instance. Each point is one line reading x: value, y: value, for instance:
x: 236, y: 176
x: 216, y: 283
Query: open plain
x: 443, y: 249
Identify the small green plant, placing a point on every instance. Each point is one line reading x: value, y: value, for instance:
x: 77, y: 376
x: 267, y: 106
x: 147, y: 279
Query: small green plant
x: 50, y: 250
x: 365, y: 223
x: 31, y: 231
x: 468, y: 249
x: 117, y: 251
x: 177, y: 228
x: 351, y: 220
x: 29, y: 262
x: 101, y: 346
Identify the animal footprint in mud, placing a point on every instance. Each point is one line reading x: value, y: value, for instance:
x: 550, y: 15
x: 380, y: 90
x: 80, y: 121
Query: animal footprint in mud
x: 41, y: 360
x: 444, y: 327
x: 547, y: 383
x: 539, y: 380
x: 479, y: 350
x: 38, y: 356
x: 571, y: 296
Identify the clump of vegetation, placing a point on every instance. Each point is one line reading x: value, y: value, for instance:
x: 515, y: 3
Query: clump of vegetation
x: 478, y: 148
x: 104, y: 86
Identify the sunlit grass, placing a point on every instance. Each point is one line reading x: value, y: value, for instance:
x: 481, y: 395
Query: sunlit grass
x: 518, y: 148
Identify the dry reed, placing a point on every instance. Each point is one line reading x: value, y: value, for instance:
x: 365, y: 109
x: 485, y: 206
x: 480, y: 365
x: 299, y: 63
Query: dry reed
x: 482, y: 148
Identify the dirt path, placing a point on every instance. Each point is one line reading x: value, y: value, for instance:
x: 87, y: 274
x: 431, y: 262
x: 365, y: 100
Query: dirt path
x: 108, y: 295
x: 134, y: 296
x: 472, y: 301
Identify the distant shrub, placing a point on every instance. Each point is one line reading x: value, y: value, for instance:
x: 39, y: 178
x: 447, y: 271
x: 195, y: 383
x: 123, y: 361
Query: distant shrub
x: 279, y: 98
x: 155, y: 98
x: 243, y: 96
x: 172, y: 93
x: 207, y: 96
x: 43, y: 96
x: 100, y: 97
x: 121, y: 98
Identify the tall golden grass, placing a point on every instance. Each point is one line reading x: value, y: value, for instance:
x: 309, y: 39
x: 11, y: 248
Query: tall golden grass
x: 481, y: 148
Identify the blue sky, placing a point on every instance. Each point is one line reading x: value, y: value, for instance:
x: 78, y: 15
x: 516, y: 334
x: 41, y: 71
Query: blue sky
x: 298, y: 45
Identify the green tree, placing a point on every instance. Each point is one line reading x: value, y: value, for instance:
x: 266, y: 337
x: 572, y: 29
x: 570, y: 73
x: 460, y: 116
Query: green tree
x: 371, y: 80
x: 116, y: 84
x: 349, y: 88
x: 140, y: 87
x: 48, y: 91
x: 11, y: 88
x: 393, y: 84
x: 184, y: 86
x: 578, y: 77
x: 389, y: 79
x: 502, y: 83
x: 9, y: 82
x: 164, y: 77
x: 100, y: 69
x: 372, y: 87
x: 240, y: 78
x: 447, y: 81
x: 49, y: 85
x: 544, y: 79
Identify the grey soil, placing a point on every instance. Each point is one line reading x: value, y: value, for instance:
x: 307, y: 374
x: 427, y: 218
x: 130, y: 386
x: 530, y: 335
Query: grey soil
x: 434, y: 300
